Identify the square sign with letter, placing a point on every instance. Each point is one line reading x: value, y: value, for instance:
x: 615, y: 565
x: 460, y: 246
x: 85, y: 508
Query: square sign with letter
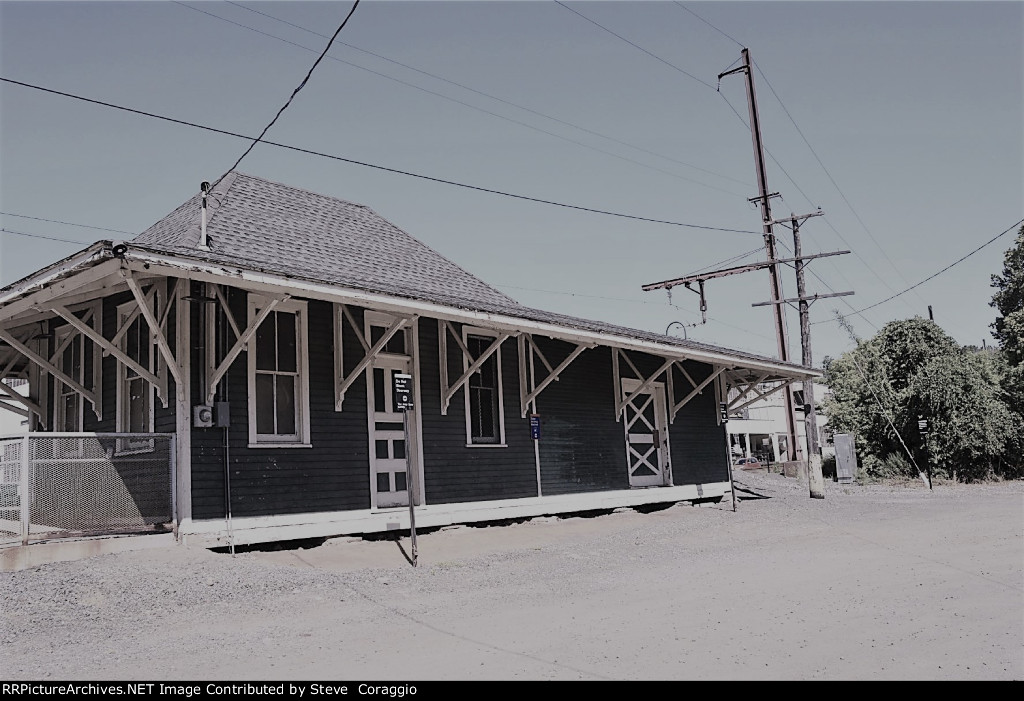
x: 403, y: 392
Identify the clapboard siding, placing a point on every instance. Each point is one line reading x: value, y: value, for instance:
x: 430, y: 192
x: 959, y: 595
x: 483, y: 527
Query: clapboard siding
x: 697, y: 441
x: 333, y: 475
x: 582, y: 446
x: 452, y: 471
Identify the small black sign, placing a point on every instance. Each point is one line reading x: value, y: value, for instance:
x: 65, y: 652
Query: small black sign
x: 724, y: 408
x: 403, y: 392
x: 922, y: 425
x: 535, y: 426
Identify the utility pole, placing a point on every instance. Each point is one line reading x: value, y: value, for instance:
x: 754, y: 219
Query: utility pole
x: 815, y: 481
x: 769, y: 241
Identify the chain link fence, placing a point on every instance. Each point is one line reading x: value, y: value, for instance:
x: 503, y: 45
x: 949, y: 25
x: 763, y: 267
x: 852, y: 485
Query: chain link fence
x: 55, y: 485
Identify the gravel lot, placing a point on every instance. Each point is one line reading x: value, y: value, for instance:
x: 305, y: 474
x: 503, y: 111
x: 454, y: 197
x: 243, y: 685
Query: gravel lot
x: 874, y: 582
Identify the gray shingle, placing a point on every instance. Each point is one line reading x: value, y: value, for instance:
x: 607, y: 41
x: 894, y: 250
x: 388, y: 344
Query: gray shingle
x: 284, y: 229
x: 269, y: 227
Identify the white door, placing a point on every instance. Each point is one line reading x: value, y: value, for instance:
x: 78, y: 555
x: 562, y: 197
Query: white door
x: 389, y: 454
x: 647, y: 453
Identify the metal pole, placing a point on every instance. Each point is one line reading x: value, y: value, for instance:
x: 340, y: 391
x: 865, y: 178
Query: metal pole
x: 728, y: 459
x: 815, y: 480
x: 411, y: 485
x: 23, y: 487
x: 769, y: 242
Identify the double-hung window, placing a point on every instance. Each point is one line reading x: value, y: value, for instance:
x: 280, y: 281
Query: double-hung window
x: 135, y: 394
x: 278, y: 376
x: 68, y: 403
x: 485, y: 415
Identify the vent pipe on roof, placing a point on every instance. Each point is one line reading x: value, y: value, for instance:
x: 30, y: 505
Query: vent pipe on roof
x: 204, y: 244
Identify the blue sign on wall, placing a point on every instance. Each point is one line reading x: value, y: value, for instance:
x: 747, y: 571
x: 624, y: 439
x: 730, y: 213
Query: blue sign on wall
x: 535, y: 426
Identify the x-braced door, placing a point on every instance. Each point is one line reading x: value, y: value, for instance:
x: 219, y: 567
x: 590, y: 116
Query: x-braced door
x: 647, y: 454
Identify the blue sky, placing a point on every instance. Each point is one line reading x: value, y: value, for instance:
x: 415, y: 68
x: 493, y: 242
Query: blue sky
x: 915, y: 110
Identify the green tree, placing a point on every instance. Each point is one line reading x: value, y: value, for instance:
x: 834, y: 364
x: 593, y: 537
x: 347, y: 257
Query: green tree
x: 1008, y: 299
x: 970, y: 426
x: 912, y: 369
x: 1008, y: 330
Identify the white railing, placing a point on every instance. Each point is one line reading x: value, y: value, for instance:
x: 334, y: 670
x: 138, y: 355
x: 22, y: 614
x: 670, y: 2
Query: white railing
x: 56, y: 485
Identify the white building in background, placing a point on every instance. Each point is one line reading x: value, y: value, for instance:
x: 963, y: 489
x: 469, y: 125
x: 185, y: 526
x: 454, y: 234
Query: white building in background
x: 760, y: 430
x: 11, y: 422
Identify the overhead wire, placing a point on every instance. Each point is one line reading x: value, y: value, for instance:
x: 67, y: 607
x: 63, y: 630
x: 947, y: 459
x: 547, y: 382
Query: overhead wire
x: 40, y: 236
x: 67, y: 223
x: 469, y: 88
x: 940, y: 272
x: 824, y: 168
x: 471, y: 106
x: 294, y: 92
x: 387, y: 169
x: 792, y: 180
x: 652, y: 55
x: 684, y: 7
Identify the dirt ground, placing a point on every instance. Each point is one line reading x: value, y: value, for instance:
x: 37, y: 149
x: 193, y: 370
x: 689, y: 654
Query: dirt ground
x: 873, y: 582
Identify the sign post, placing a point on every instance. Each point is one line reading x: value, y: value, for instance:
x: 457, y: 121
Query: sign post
x: 922, y: 427
x: 403, y: 403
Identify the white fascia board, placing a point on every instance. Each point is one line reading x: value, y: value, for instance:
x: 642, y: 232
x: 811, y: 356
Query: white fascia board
x: 47, y: 275
x: 219, y: 272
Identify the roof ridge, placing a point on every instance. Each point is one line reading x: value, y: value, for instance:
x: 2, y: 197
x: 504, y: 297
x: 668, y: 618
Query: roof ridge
x: 236, y: 173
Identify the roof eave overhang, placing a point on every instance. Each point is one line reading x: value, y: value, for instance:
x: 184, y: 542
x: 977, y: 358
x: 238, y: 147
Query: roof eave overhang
x: 13, y: 296
x: 155, y: 262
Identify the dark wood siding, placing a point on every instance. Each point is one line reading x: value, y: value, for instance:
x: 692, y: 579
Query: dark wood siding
x: 452, y: 471
x: 333, y: 475
x: 697, y: 441
x: 582, y: 446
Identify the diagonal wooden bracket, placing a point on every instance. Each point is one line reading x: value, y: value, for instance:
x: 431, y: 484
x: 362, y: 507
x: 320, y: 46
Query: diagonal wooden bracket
x: 762, y: 395
x: 527, y: 397
x: 239, y: 346
x: 371, y: 351
x: 697, y: 389
x: 109, y: 348
x: 448, y: 391
x: 622, y: 402
x: 155, y: 330
x: 49, y: 367
x: 7, y: 390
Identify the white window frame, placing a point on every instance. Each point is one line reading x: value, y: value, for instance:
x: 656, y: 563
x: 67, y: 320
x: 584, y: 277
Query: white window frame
x: 122, y: 410
x: 468, y: 331
x: 300, y: 439
x: 60, y: 390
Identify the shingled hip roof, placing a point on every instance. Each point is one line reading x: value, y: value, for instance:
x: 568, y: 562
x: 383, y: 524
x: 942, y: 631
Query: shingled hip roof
x: 258, y: 223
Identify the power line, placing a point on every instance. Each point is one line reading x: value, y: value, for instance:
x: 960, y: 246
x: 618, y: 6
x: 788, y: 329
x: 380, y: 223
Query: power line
x: 935, y: 275
x: 637, y: 46
x: 67, y: 223
x: 825, y: 283
x: 746, y: 330
x: 374, y: 166
x: 684, y: 7
x: 463, y: 87
x: 828, y: 174
x: 734, y: 259
x: 786, y: 173
x: 294, y: 92
x: 40, y: 236
x: 457, y: 101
